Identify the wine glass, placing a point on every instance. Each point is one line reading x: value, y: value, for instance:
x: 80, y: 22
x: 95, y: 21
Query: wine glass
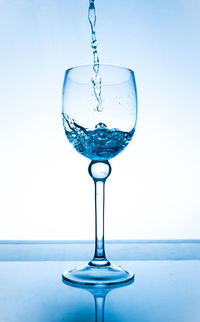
x: 99, y: 136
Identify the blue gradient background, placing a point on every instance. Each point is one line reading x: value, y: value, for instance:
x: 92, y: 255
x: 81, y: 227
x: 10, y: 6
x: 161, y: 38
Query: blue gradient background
x: 153, y: 192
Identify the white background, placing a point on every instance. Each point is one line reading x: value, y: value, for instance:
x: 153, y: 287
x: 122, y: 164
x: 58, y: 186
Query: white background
x: 45, y: 190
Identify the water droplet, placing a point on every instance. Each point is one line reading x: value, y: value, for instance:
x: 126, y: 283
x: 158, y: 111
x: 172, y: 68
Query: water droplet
x: 100, y: 126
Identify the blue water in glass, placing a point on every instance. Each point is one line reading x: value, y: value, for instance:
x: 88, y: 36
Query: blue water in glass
x: 98, y: 144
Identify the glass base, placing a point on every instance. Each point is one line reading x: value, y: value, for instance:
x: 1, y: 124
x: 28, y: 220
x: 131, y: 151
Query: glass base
x: 102, y: 275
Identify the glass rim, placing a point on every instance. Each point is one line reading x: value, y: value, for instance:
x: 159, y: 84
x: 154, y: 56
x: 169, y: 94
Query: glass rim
x: 75, y: 77
x: 104, y: 65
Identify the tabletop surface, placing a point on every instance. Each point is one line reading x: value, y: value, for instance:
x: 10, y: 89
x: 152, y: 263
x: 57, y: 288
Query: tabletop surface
x: 166, y: 286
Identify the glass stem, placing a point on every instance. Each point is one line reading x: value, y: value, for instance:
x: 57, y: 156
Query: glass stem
x: 99, y: 309
x: 99, y: 171
x: 99, y: 219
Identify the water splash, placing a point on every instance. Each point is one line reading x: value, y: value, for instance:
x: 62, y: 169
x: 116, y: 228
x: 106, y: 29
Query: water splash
x: 96, y: 79
x: 99, y: 144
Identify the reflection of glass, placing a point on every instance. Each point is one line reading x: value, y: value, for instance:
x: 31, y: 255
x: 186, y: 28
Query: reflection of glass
x: 99, y: 293
x: 99, y: 136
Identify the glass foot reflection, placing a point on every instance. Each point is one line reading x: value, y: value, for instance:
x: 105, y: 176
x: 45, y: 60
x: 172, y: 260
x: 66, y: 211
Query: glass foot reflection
x: 99, y: 292
x: 91, y: 274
